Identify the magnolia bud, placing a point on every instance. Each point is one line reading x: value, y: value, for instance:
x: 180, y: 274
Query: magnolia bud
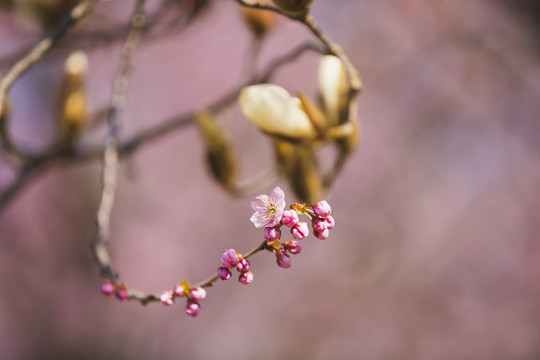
x: 275, y: 112
x: 294, y: 7
x: 220, y: 155
x: 333, y: 89
x: 259, y: 21
x: 74, y: 114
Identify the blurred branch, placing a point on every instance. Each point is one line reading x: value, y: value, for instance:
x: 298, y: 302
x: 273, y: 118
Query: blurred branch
x: 129, y: 147
x: 110, y: 157
x: 35, y: 55
x: 170, y: 18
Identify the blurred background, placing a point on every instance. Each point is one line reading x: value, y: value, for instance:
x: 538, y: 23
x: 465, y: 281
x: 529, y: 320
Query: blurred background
x: 435, y: 254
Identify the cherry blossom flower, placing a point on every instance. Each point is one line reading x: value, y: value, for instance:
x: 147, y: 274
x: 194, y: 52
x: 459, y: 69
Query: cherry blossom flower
x: 268, y: 209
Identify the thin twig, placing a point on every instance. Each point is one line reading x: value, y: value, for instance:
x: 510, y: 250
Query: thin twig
x: 144, y: 299
x: 37, y: 53
x: 110, y: 157
x: 24, y: 177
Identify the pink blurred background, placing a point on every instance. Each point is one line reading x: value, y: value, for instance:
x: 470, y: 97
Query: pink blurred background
x: 435, y: 254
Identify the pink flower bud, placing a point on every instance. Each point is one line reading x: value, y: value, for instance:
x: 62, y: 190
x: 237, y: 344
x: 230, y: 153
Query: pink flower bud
x: 107, y: 288
x: 330, y: 222
x: 122, y: 295
x: 289, y: 218
x: 246, y: 277
x: 167, y: 298
x: 192, y: 308
x: 198, y: 293
x: 300, y: 230
x: 179, y: 290
x: 243, y: 265
x: 224, y: 273
x: 322, y: 208
x: 322, y: 234
x: 293, y: 247
x: 283, y: 260
x: 319, y: 224
x: 229, y: 258
x: 272, y: 234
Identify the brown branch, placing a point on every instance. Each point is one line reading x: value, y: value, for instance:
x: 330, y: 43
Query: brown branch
x: 110, y: 157
x: 147, y: 136
x: 36, y: 54
x: 144, y: 299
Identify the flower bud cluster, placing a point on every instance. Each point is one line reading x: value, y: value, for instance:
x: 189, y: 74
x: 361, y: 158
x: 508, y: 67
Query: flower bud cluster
x: 321, y: 222
x: 231, y: 259
x: 183, y: 289
x: 269, y: 212
x: 119, y: 290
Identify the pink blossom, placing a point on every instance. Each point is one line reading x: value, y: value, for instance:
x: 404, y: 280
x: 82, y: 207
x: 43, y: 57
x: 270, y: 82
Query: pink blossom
x: 272, y: 234
x: 229, y: 258
x: 167, y: 298
x: 246, y: 277
x: 293, y: 247
x: 330, y: 222
x: 179, y: 290
x: 198, y: 293
x: 224, y: 273
x: 322, y: 208
x: 243, y: 265
x: 322, y: 234
x: 319, y: 224
x: 283, y: 260
x: 268, y: 209
x: 289, y: 218
x: 300, y: 230
x: 192, y: 309
x: 122, y: 295
x: 107, y: 288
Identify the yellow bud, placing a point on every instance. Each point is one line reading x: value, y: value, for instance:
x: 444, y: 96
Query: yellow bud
x: 220, y: 155
x: 294, y: 7
x: 259, y: 21
x: 275, y: 112
x: 73, y: 109
x: 333, y: 89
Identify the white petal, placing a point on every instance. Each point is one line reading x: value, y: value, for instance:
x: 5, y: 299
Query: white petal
x: 331, y: 74
x: 272, y: 109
